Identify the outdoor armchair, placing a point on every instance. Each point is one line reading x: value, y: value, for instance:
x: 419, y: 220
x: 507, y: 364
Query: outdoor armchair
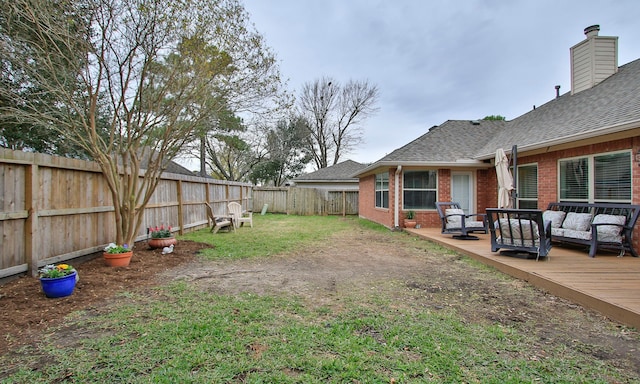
x: 238, y: 216
x: 218, y: 223
x: 454, y: 221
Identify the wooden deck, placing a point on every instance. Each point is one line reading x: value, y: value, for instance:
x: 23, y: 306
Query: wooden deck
x: 606, y: 283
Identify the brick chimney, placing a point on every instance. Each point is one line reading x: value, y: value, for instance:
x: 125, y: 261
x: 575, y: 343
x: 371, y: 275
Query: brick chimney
x: 593, y: 59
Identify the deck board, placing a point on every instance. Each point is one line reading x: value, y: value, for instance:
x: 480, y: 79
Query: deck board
x: 606, y: 283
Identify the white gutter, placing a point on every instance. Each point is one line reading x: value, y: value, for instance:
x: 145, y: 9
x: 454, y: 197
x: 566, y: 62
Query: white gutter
x: 475, y: 164
x: 396, y: 199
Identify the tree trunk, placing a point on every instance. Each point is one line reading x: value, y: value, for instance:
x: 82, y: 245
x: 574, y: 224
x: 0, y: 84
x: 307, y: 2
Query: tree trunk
x: 203, y: 157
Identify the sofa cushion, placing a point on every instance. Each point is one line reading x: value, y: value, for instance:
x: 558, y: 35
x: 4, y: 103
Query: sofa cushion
x: 581, y: 235
x: 511, y: 228
x: 557, y: 232
x: 609, y: 232
x: 454, y: 221
x: 555, y: 217
x: 577, y: 221
x: 473, y: 224
x: 518, y: 242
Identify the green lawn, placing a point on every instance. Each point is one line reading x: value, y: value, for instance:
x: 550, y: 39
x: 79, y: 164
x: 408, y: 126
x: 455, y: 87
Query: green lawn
x: 180, y: 334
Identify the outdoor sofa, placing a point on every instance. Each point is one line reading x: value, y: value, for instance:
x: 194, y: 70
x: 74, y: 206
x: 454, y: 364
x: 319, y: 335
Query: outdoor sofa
x: 597, y: 226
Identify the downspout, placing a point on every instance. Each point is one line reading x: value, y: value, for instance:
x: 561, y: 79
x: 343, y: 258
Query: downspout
x: 396, y: 199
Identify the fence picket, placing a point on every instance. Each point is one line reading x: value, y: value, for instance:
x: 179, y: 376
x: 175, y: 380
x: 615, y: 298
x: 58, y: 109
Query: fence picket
x: 53, y: 209
x: 305, y: 201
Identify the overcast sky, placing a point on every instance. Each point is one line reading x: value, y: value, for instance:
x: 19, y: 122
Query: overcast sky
x: 438, y: 60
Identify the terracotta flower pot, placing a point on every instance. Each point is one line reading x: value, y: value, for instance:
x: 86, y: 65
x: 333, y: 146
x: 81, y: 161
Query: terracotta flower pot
x: 162, y: 242
x: 117, y: 259
x: 410, y: 223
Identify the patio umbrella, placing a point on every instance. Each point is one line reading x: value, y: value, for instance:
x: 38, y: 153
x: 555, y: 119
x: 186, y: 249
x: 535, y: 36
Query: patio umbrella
x: 505, y: 180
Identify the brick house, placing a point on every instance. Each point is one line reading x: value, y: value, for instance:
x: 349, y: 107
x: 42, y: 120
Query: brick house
x: 583, y: 145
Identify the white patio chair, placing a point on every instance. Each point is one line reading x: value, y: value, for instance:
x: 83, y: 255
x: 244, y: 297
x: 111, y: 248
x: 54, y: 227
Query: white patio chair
x: 239, y: 217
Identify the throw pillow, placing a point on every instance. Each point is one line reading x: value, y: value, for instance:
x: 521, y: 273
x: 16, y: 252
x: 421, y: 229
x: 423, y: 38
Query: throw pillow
x: 577, y: 221
x: 555, y: 217
x: 454, y: 221
x: 609, y: 232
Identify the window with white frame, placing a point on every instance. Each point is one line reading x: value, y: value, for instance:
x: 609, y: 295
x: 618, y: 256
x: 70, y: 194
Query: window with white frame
x: 528, y: 186
x: 382, y: 190
x: 596, y: 178
x: 420, y: 189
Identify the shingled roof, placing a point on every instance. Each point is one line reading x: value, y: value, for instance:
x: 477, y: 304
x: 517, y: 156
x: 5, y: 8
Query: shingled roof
x: 339, y: 172
x: 452, y: 141
x: 609, y: 107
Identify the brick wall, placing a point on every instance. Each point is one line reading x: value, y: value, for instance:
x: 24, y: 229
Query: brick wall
x: 548, y: 171
x: 367, y: 201
x: 548, y: 167
x: 486, y: 189
x: 487, y: 185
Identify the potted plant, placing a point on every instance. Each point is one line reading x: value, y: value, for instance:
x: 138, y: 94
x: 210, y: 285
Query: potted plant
x: 117, y: 255
x: 58, y: 280
x: 161, y: 237
x: 409, y: 221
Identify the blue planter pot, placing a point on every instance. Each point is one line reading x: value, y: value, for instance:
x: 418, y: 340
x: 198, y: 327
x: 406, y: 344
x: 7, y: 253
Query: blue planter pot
x: 59, y: 286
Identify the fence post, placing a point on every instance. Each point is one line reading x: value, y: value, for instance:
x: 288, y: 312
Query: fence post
x: 180, y: 207
x: 31, y: 225
x: 207, y: 193
x: 227, y: 195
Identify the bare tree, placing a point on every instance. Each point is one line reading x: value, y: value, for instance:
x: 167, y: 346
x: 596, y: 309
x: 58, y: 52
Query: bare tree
x: 153, y: 65
x: 334, y: 115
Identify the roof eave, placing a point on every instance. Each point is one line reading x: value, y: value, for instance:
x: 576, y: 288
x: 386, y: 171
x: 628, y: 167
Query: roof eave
x: 571, y: 138
x: 349, y: 180
x: 466, y: 163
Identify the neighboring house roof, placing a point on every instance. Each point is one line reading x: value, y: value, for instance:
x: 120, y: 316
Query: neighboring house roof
x: 341, y: 172
x: 174, y: 167
x: 611, y: 106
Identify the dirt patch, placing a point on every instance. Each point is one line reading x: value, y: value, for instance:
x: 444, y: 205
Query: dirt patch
x: 26, y: 311
x: 354, y: 262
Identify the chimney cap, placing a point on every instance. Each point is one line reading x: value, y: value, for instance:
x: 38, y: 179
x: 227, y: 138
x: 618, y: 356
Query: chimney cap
x: 592, y: 30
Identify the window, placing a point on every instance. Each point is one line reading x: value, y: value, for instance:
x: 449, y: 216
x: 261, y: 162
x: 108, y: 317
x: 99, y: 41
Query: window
x: 612, y: 177
x: 420, y: 189
x: 528, y: 186
x: 599, y: 178
x: 382, y: 190
x: 574, y: 179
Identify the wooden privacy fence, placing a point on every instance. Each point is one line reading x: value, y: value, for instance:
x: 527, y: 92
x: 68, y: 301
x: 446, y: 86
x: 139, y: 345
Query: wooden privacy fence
x: 54, y: 209
x: 306, y: 201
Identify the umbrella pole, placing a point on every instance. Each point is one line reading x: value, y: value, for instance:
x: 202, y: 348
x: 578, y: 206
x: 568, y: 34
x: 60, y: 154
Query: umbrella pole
x: 514, y: 192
